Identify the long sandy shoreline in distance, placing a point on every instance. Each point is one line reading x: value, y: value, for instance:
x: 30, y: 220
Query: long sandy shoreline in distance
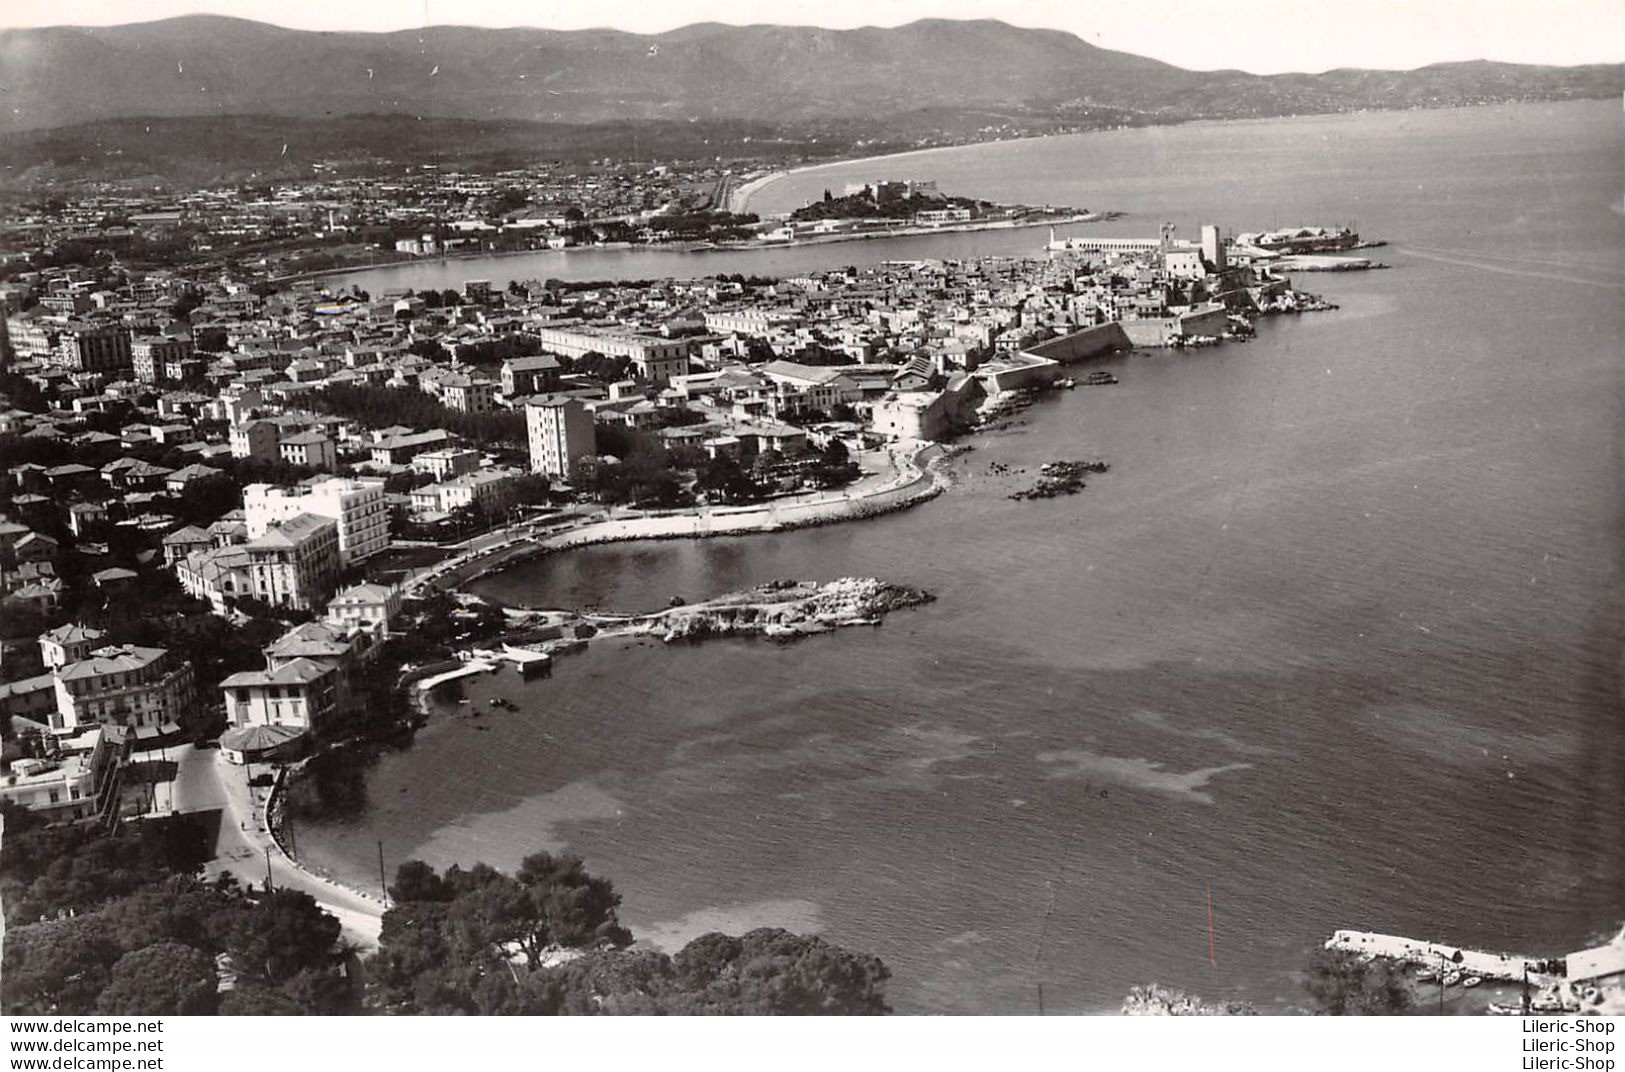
x: 739, y: 199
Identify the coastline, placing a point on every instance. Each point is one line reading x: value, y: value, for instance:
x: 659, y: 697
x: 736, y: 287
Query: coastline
x: 748, y: 190
x: 702, y: 248
x: 739, y: 197
x: 919, y: 475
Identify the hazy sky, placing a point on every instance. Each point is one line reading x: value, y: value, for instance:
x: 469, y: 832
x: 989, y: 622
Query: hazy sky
x: 1263, y: 36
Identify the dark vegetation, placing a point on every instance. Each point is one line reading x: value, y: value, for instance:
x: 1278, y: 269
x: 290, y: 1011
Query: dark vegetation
x: 864, y: 205
x: 476, y: 941
x: 384, y: 407
x: 121, y: 924
x: 1340, y: 983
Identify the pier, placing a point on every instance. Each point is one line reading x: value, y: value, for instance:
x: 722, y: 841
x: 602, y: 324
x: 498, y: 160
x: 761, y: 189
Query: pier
x: 468, y: 669
x: 1432, y: 954
x: 527, y: 661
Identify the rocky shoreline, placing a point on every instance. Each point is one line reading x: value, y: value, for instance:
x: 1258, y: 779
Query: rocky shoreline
x: 780, y: 610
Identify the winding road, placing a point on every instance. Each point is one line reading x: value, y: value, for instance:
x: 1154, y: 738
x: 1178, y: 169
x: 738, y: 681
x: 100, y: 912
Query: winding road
x: 205, y: 782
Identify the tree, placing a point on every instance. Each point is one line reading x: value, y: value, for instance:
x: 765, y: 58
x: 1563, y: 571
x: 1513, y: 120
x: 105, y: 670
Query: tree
x: 282, y: 935
x: 56, y: 967
x: 417, y: 881
x: 766, y: 462
x: 771, y: 971
x: 429, y: 348
x: 579, y: 909
x: 258, y: 1001
x: 166, y: 978
x: 1341, y: 983
x: 189, y: 299
x: 723, y: 479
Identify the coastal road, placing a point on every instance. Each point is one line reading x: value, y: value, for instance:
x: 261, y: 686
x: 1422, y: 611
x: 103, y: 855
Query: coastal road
x: 206, y: 782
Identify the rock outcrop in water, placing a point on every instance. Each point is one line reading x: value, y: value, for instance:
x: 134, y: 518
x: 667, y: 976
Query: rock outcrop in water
x: 782, y: 610
x: 1059, y: 478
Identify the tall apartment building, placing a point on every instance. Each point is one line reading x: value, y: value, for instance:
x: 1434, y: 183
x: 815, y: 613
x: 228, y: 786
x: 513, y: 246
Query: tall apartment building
x: 151, y: 355
x: 86, y: 347
x: 296, y: 563
x: 561, y: 432
x: 357, y: 507
x: 33, y: 337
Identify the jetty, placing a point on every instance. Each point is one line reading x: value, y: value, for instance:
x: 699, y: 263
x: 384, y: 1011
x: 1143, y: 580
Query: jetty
x: 527, y: 661
x: 1433, y: 954
x: 468, y: 669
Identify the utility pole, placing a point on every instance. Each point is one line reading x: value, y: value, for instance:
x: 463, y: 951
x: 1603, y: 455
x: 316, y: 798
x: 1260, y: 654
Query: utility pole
x: 383, y: 884
x: 268, y: 886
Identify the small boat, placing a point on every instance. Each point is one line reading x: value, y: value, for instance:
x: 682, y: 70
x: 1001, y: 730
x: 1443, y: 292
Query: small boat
x: 1452, y: 977
x: 1427, y: 975
x: 1501, y: 1008
x: 1471, y: 980
x: 1066, y: 384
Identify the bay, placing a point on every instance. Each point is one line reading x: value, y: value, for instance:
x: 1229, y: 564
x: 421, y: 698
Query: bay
x: 1337, y: 641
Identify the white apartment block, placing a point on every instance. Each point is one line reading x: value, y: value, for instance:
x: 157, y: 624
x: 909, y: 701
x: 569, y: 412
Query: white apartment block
x: 560, y: 431
x: 357, y: 506
x: 79, y: 783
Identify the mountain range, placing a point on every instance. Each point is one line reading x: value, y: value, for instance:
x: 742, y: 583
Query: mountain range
x: 928, y: 80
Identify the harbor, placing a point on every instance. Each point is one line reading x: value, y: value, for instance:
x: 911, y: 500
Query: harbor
x: 1587, y: 982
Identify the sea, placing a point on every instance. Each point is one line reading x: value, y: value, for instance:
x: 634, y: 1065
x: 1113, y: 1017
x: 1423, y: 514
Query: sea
x: 1335, y: 643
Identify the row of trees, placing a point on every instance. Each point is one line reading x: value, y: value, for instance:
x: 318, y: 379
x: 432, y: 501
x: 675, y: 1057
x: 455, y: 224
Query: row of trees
x: 383, y: 407
x: 480, y: 942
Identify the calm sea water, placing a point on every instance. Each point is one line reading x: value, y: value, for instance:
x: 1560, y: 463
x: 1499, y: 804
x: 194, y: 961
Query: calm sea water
x: 1336, y: 641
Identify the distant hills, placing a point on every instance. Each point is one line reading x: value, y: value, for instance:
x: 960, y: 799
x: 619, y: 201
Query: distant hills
x: 928, y: 80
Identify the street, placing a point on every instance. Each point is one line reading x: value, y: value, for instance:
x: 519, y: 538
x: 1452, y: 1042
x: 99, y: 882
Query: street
x: 206, y: 782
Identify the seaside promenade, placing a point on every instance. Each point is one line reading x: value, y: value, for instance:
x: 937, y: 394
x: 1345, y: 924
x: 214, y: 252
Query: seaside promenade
x: 895, y: 478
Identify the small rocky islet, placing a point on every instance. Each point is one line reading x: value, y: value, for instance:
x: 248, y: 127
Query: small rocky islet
x: 1059, y: 478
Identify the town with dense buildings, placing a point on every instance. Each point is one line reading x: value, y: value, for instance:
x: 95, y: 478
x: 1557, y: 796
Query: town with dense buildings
x: 292, y: 451
x: 236, y: 498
